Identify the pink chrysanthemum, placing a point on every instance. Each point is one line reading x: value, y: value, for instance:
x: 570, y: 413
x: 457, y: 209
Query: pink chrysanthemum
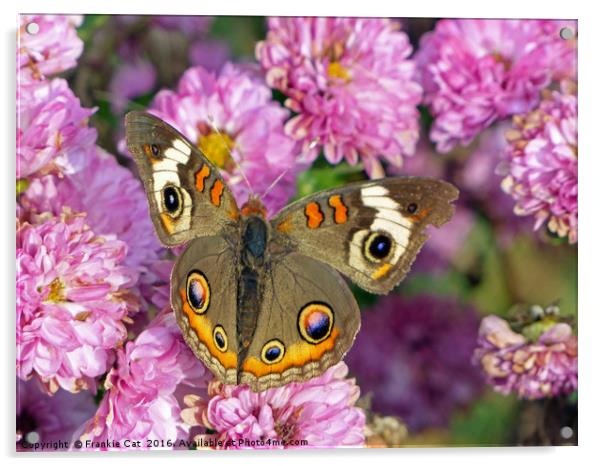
x: 144, y: 389
x: 542, y: 368
x: 318, y: 413
x: 73, y: 294
x: 476, y: 71
x: 52, y: 130
x: 55, y: 46
x: 351, y: 83
x: 541, y: 162
x: 232, y: 116
x: 46, y: 419
x: 103, y: 186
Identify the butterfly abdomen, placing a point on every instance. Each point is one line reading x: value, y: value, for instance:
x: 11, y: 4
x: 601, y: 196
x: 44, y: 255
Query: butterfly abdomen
x: 250, y: 283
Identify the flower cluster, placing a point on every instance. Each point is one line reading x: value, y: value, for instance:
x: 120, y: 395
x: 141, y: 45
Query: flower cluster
x: 476, y: 72
x: 350, y: 82
x: 318, y: 413
x: 543, y: 367
x: 143, y: 390
x: 73, y: 297
x: 541, y: 162
x: 420, y: 343
x: 234, y: 122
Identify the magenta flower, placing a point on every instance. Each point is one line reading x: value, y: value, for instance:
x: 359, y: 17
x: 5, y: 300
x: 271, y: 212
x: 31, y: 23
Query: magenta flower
x: 144, y: 390
x: 350, y: 82
x: 52, y: 130
x: 130, y: 80
x: 541, y: 162
x: 55, y: 46
x: 475, y: 72
x: 73, y: 295
x: 231, y: 116
x: 532, y: 369
x: 43, y: 418
x: 423, y: 346
x: 318, y: 413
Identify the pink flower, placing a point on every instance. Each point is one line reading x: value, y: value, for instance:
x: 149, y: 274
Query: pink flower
x: 100, y: 187
x: 144, y: 389
x: 73, y: 294
x: 231, y: 116
x: 350, y: 82
x: 317, y: 413
x: 52, y: 129
x: 55, y: 46
x: 43, y: 418
x: 541, y: 162
x: 475, y: 72
x: 535, y: 369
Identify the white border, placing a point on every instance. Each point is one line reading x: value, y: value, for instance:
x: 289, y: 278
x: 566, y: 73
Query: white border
x: 590, y: 310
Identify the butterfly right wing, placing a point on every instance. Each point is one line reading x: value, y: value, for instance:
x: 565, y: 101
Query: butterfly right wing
x: 186, y: 194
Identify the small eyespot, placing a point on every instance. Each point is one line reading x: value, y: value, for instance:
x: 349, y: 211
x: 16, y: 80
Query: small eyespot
x: 412, y: 208
x: 378, y: 246
x: 155, y: 150
x: 315, y: 322
x: 198, y: 293
x: 152, y: 150
x: 172, y: 200
x: 219, y: 338
x: 272, y: 352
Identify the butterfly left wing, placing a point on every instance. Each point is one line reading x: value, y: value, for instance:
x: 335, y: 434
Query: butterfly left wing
x: 370, y: 231
x: 186, y: 194
x: 307, y: 321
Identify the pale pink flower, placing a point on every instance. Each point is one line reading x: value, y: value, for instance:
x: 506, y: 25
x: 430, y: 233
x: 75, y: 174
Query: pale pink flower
x: 55, y: 46
x: 350, y: 82
x: 318, y: 413
x: 45, y: 419
x: 532, y: 369
x: 232, y: 116
x: 73, y: 295
x: 144, y: 390
x: 477, y: 71
x: 52, y: 129
x: 541, y: 162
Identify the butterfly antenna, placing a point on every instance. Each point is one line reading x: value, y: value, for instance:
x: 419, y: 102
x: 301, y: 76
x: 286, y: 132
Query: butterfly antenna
x: 301, y: 159
x: 238, y: 166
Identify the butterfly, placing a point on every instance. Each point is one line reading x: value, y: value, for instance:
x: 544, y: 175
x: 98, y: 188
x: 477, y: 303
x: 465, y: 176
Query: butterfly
x: 262, y: 302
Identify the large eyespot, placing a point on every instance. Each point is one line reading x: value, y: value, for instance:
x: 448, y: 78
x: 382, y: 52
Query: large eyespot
x: 198, y: 293
x: 378, y: 246
x: 172, y: 200
x: 272, y: 352
x: 315, y: 322
x: 219, y: 338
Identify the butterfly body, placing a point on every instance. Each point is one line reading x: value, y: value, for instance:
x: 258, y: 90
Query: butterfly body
x: 262, y: 302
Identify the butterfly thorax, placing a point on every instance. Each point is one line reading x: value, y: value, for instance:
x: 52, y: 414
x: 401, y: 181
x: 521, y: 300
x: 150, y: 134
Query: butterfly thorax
x: 254, y: 240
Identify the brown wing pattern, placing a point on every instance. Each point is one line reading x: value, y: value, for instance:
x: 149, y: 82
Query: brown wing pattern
x: 370, y: 231
x: 186, y: 194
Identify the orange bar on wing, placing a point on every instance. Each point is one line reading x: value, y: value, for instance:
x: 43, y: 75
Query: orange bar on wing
x: 314, y: 215
x: 340, y: 209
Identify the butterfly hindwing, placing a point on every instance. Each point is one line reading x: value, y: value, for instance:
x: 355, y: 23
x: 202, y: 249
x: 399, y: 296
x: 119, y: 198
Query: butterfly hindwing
x: 307, y: 321
x: 186, y: 194
x: 370, y: 231
x: 203, y: 297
